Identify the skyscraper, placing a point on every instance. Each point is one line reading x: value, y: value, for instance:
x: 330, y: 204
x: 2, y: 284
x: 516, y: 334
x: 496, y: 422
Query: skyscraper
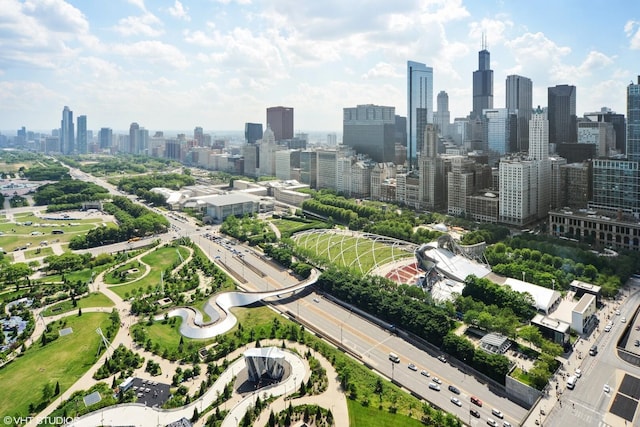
x: 442, y: 117
x: 419, y: 106
x: 562, y: 114
x: 82, y: 135
x: 133, y: 138
x: 370, y: 129
x: 519, y: 92
x: 252, y: 132
x: 198, y: 136
x: 281, y: 121
x: 633, y: 121
x: 67, y: 137
x: 105, y: 137
x: 482, y: 83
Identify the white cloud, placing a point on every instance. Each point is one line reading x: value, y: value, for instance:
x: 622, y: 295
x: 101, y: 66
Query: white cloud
x: 179, y: 11
x: 535, y: 55
x: 241, y: 2
x: 199, y: 38
x: 382, y: 70
x: 632, y: 30
x: 145, y: 25
x: 493, y: 29
x: 40, y: 34
x: 139, y: 4
x: 154, y: 51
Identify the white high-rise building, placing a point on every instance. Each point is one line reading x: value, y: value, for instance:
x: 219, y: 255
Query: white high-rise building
x: 539, y: 152
x: 267, y: 148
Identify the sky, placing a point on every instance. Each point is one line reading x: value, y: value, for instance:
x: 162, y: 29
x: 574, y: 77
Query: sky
x: 169, y: 64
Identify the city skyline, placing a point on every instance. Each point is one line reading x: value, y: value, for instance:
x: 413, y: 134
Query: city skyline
x: 220, y: 64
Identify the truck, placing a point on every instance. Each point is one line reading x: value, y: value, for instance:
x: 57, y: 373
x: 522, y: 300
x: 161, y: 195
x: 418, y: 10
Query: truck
x: 394, y: 358
x: 571, y: 382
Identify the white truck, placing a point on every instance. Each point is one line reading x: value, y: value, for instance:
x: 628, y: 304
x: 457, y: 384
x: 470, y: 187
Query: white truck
x: 571, y: 382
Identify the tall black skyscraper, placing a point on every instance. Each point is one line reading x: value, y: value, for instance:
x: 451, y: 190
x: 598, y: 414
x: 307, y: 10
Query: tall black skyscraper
x: 519, y: 93
x: 482, y: 83
x: 562, y: 114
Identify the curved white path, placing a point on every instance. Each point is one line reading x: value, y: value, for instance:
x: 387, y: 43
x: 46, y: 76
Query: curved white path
x: 140, y: 415
x: 192, y: 325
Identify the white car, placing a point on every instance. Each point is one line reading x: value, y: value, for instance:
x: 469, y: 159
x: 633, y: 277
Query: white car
x: 434, y: 386
x: 412, y: 367
x: 437, y: 380
x: 606, y: 388
x: 623, y: 320
x: 497, y: 413
x: 456, y: 401
x: 578, y: 372
x: 607, y: 328
x: 425, y: 373
x: 617, y: 312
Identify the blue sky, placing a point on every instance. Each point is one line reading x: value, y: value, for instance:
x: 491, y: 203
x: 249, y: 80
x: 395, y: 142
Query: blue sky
x: 170, y: 64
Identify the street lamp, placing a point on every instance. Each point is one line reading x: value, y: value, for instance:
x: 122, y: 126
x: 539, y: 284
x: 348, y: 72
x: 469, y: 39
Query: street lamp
x: 523, y: 274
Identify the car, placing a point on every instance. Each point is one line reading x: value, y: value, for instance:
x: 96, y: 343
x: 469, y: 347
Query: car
x: 638, y: 328
x: 497, y: 413
x: 442, y: 359
x: 623, y: 320
x: 578, y: 372
x: 506, y: 424
x: 454, y: 389
x: 607, y: 328
x: 437, y: 380
x: 412, y: 367
x: 476, y: 401
x: 456, y: 401
x: 316, y: 300
x: 637, y: 343
x: 606, y: 388
x: 425, y: 373
x: 492, y: 422
x: 617, y: 312
x: 474, y: 412
x: 434, y: 386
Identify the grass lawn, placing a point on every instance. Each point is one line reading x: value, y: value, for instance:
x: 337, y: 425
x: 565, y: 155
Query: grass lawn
x: 363, y: 416
x: 38, y: 252
x: 358, y: 253
x: 113, y: 278
x: 64, y: 360
x: 159, y: 260
x: 167, y: 335
x: 288, y: 227
x: 95, y: 299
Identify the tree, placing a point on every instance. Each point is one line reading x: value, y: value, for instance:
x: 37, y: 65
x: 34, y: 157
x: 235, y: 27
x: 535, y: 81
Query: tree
x: 79, y: 311
x: 57, y: 389
x: 47, y: 392
x: 272, y: 419
x: 379, y: 388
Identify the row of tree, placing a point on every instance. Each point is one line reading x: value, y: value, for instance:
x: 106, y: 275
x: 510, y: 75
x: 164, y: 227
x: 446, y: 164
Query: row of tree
x: 52, y: 172
x: 69, y: 191
x: 376, y: 295
x: 133, y: 221
x: 480, y: 289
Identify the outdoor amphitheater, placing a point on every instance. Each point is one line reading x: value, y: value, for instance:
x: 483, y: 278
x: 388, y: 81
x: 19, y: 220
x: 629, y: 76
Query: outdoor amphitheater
x: 363, y: 252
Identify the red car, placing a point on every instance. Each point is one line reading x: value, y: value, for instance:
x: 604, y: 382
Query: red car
x: 476, y: 401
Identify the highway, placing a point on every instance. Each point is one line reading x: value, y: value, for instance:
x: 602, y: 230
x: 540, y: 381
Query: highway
x: 370, y: 342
